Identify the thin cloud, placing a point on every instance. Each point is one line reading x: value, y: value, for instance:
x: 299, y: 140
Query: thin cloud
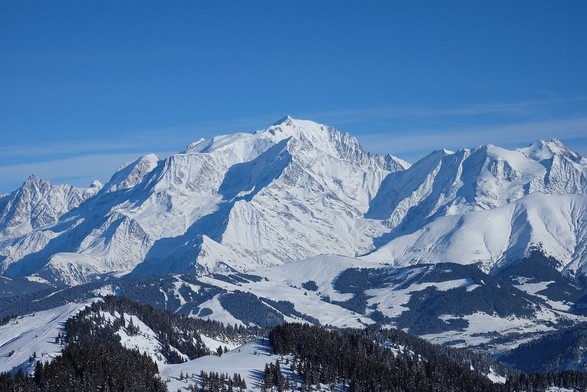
x: 173, y: 138
x: 80, y: 161
x: 504, y: 109
x: 78, y: 171
x: 523, y: 108
x: 64, y: 148
x: 415, y: 144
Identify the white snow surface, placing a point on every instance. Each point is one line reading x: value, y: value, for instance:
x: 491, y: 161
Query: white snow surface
x: 213, y: 344
x: 296, y: 190
x: 496, y: 377
x: 481, y: 324
x: 248, y: 360
x: 285, y: 283
x: 145, y: 341
x: 555, y: 223
x: 291, y: 191
x: 35, y: 332
x: 37, y: 204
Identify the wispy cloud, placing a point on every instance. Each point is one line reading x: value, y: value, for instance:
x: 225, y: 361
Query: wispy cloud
x: 172, y: 138
x: 64, y: 148
x: 416, y: 143
x: 411, y: 132
x: 407, y: 132
x: 506, y: 109
x: 79, y: 170
x: 78, y: 162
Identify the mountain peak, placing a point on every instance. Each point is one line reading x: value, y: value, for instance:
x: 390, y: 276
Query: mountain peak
x: 309, y: 135
x: 543, y: 150
x: 132, y: 173
x: 304, y: 136
x: 96, y: 184
x: 284, y: 121
x: 33, y: 179
x: 36, y: 184
x: 290, y: 123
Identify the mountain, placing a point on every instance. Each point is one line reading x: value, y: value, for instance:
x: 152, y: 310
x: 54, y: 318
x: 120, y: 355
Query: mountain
x: 291, y: 191
x: 564, y: 349
x: 557, y: 224
x: 486, y: 206
x: 27, y: 213
x: 295, y: 190
x: 39, y: 203
x: 481, y: 248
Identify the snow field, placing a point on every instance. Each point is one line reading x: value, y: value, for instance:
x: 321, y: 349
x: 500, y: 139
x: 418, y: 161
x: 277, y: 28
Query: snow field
x: 34, y: 333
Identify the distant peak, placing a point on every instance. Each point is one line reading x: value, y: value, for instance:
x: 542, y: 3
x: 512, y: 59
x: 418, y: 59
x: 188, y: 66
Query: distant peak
x: 287, y: 120
x: 96, y: 184
x: 539, y: 144
x: 132, y: 173
x: 33, y: 179
x: 553, y: 144
x: 438, y: 154
x: 289, y: 126
x: 543, y: 149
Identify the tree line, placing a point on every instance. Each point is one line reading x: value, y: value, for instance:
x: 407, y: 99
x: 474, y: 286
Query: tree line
x: 356, y: 361
x: 94, y: 359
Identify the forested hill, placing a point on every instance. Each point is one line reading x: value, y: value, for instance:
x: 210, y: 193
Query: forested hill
x: 176, y: 333
x: 120, y: 345
x: 370, y: 361
x: 117, y: 344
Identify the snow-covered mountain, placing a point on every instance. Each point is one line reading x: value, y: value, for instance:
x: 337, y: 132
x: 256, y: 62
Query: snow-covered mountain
x: 492, y: 238
x: 37, y: 204
x: 291, y: 191
x: 486, y: 206
x: 296, y: 190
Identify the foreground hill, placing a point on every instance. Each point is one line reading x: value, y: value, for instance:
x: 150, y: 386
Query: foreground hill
x: 449, y: 303
x: 117, y: 344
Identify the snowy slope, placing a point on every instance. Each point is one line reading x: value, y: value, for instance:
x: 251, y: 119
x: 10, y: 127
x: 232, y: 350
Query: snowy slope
x: 453, y: 304
x: 452, y: 183
x: 34, y: 333
x: 248, y: 360
x: 555, y: 223
x: 39, y: 203
x: 28, y: 216
x: 286, y: 283
x: 446, y: 303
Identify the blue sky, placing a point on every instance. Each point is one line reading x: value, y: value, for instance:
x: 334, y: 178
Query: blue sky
x: 88, y: 85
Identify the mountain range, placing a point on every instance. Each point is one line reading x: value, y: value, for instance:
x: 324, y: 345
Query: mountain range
x: 482, y: 248
x: 296, y: 190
